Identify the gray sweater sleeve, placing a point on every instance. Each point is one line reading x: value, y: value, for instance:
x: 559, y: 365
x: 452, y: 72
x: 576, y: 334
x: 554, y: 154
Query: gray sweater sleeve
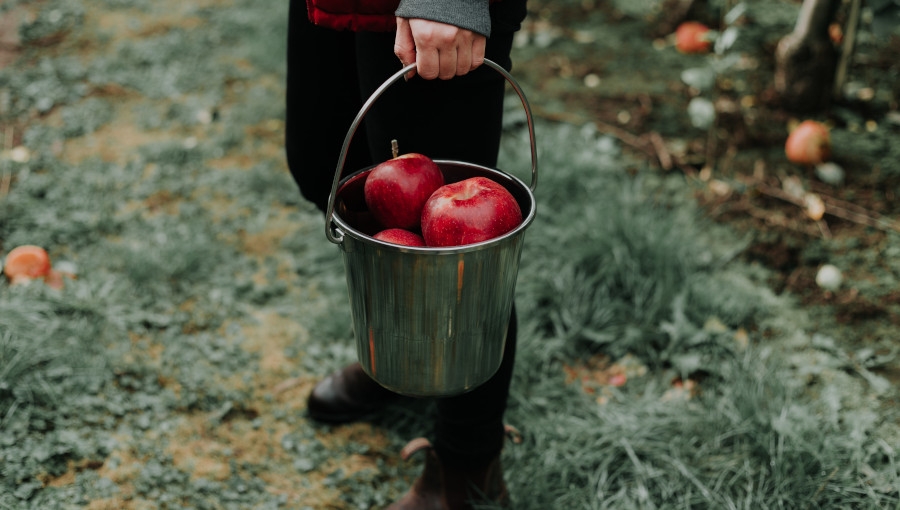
x: 472, y: 15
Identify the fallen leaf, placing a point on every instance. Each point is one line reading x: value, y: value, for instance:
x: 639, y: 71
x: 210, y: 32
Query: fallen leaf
x: 815, y: 207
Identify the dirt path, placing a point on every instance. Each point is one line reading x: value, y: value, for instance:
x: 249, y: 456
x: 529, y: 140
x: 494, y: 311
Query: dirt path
x: 264, y: 437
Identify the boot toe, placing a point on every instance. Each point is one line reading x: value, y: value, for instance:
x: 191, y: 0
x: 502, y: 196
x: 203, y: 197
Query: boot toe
x: 347, y: 395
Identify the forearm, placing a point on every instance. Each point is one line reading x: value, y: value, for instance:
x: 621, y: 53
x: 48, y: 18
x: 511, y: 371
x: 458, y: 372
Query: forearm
x: 472, y: 15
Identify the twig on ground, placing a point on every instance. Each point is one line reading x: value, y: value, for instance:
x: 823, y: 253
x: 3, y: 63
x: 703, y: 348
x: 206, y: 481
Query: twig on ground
x: 623, y: 136
x: 850, y: 207
x: 287, y: 384
x: 823, y: 229
x: 662, y: 153
x: 5, y: 183
x: 781, y: 221
x: 834, y: 207
x: 651, y: 144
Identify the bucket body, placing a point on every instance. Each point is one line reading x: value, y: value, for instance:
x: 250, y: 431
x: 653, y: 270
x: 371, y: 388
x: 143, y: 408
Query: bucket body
x: 430, y: 321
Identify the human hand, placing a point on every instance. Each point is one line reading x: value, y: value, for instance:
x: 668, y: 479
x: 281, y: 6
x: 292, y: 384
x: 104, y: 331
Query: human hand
x: 438, y: 49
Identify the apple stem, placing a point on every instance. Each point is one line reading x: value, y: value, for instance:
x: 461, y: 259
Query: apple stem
x: 395, y: 149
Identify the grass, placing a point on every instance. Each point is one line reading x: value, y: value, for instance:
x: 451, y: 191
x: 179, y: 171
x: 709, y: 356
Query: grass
x: 637, y: 273
x: 172, y: 372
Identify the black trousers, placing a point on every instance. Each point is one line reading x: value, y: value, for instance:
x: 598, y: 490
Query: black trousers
x: 329, y: 75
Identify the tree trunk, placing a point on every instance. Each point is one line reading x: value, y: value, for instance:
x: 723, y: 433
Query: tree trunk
x: 805, y: 59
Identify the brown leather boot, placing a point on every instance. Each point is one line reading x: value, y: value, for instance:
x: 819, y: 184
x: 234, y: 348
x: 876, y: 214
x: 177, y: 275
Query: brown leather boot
x: 347, y: 395
x: 444, y: 487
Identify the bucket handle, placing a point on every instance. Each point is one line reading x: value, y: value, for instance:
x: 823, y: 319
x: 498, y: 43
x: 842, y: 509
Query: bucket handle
x: 339, y: 238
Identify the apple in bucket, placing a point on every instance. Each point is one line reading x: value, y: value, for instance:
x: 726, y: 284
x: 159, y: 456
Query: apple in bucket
x: 400, y: 236
x: 469, y: 211
x: 396, y: 190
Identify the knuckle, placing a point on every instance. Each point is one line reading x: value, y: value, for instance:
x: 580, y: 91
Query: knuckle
x: 428, y: 73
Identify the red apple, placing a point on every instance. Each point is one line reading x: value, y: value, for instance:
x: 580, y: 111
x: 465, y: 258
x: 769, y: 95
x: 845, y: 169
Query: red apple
x: 400, y: 236
x: 25, y: 263
x: 396, y: 190
x: 469, y: 211
x: 692, y: 37
x: 808, y: 144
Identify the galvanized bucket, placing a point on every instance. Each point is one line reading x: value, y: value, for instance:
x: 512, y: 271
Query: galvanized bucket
x: 428, y: 321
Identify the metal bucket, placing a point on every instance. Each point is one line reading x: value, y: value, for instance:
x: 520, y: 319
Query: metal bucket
x: 428, y: 321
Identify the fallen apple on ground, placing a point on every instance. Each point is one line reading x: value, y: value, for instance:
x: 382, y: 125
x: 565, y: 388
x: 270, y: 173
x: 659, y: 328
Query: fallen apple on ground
x: 808, y: 144
x: 400, y: 236
x: 25, y: 263
x: 693, y: 37
x: 469, y: 211
x: 397, y: 189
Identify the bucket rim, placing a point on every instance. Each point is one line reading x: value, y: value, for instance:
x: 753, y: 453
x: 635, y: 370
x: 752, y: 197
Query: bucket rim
x: 527, y: 219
